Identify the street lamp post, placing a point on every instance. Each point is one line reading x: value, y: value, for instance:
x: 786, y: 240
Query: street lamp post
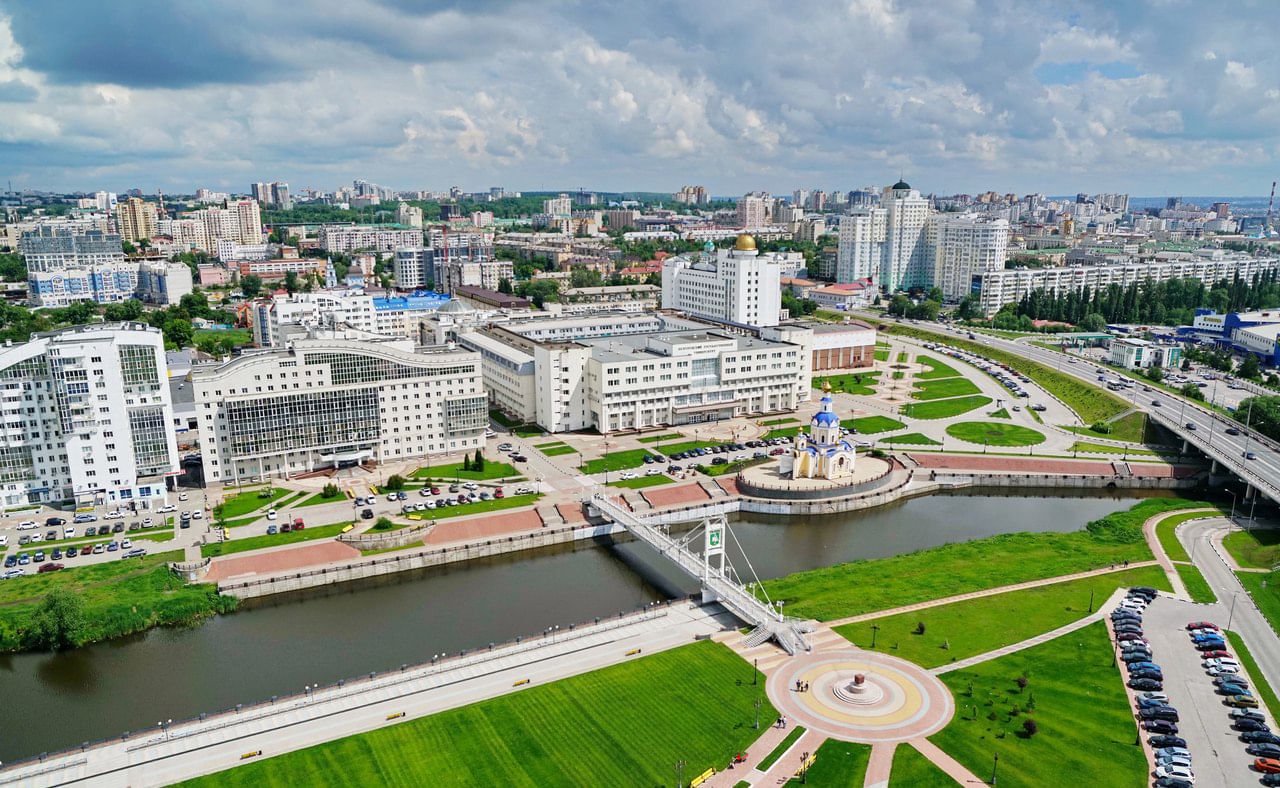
x: 995, y: 765
x: 874, y: 629
x: 680, y: 774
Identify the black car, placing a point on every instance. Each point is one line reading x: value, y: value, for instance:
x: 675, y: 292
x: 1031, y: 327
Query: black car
x: 519, y: 458
x: 1250, y: 724
x: 1232, y: 689
x: 1264, y: 750
x: 366, y: 514
x: 1145, y: 685
x: 1159, y: 742
x: 1172, y: 782
x: 1146, y: 591
x: 55, y: 521
x: 1136, y: 656
x: 10, y: 561
x: 1161, y: 713
x: 117, y: 528
x: 1116, y: 615
x: 1159, y: 726
x: 1271, y: 779
x: 1129, y: 629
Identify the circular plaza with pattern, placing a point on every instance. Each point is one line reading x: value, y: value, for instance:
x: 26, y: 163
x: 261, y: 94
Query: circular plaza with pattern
x: 860, y: 696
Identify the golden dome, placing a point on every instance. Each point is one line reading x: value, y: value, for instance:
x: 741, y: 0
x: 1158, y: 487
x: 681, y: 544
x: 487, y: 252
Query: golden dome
x: 745, y: 243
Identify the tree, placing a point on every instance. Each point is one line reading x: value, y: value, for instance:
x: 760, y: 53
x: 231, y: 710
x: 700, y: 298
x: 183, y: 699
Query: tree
x: 330, y: 491
x: 383, y: 524
x: 899, y: 305
x: 504, y: 286
x: 251, y: 285
x: 59, y: 622
x: 1191, y: 391
x: 1022, y: 682
x: 969, y: 308
x: 395, y: 482
x: 1155, y: 373
x: 1261, y: 414
x: 581, y: 276
x: 1029, y: 728
x: 1093, y: 322
x: 291, y: 282
x: 478, y: 465
x: 1249, y: 367
x: 178, y: 333
x: 466, y: 462
x: 12, y: 268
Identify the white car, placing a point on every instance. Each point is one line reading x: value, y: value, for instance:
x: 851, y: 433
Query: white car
x: 125, y: 544
x: 182, y: 497
x: 4, y: 540
x: 470, y: 486
x: 430, y: 504
x: 168, y: 507
x: 653, y: 472
x: 9, y: 574
x: 271, y: 514
x: 1222, y: 662
x: 1174, y: 760
x: 1178, y: 772
x: 197, y: 514
x: 37, y: 538
x: 67, y: 533
x: 523, y: 491
x: 114, y: 513
x: 1218, y: 670
x: 628, y: 475
x: 392, y: 497
x: 506, y: 447
x: 27, y: 525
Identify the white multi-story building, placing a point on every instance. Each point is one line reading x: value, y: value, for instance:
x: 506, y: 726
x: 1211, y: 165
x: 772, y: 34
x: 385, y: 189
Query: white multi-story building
x: 753, y: 211
x: 352, y: 238
x: 888, y: 244
x: 966, y: 245
x: 559, y: 207
x: 860, y: 250
x: 453, y: 272
x: 619, y: 372
x: 740, y: 285
x: 226, y: 249
x: 997, y: 288
x: 460, y: 259
x: 389, y: 317
x: 409, y: 215
x: 86, y: 417
x: 329, y: 400
x: 51, y: 248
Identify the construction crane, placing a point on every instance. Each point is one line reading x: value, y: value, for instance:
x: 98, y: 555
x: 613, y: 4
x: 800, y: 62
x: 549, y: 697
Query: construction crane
x: 1271, y: 204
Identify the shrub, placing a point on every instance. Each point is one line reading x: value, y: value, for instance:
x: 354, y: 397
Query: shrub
x: 59, y: 622
x: 1029, y: 728
x: 919, y: 630
x: 395, y: 482
x: 1101, y: 427
x: 330, y: 491
x: 1021, y: 681
x: 383, y: 524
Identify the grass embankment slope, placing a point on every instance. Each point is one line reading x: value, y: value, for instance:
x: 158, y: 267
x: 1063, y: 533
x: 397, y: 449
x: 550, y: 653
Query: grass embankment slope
x: 1077, y: 699
x: 866, y: 586
x: 1256, y: 549
x: 1090, y: 403
x: 622, y: 725
x: 975, y: 626
x: 120, y: 597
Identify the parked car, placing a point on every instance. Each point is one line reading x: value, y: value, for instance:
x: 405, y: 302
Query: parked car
x: 1194, y: 625
x: 1167, y: 741
x: 1264, y: 750
x: 1162, y: 713
x: 1150, y: 685
x: 366, y: 514
x: 1267, y: 765
x: 49, y: 568
x: 1159, y: 726
x: 1249, y: 724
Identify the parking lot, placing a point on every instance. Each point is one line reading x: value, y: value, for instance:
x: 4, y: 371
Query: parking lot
x: 1218, y: 756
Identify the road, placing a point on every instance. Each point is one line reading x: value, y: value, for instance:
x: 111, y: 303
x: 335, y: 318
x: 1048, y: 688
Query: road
x: 1170, y: 410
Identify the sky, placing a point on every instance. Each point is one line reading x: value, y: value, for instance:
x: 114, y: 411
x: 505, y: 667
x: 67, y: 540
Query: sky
x: 1155, y: 97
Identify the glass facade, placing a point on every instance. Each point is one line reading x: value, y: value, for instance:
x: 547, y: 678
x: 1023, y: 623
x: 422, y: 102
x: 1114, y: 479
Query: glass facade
x: 321, y: 420
x: 138, y: 367
x: 150, y: 444
x: 466, y: 416
x: 347, y: 368
x: 16, y: 464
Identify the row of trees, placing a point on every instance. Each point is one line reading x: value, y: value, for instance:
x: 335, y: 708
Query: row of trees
x: 927, y: 308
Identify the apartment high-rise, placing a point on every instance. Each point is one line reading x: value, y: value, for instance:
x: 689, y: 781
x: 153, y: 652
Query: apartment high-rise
x: 409, y: 215
x: 136, y: 219
x: 895, y: 234
x: 753, y: 211
x: 559, y: 207
x: 966, y: 245
x: 87, y: 418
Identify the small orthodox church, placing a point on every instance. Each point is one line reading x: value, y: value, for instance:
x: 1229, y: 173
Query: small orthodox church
x: 823, y: 453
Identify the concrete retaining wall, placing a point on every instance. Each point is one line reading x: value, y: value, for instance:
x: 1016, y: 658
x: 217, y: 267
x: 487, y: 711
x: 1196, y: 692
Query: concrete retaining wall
x: 384, y: 540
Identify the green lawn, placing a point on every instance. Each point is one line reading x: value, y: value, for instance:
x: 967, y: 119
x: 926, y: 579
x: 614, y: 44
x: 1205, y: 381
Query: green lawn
x: 1259, y: 683
x: 492, y: 470
x: 1130, y: 429
x: 1258, y: 548
x: 1003, y: 413
x: 320, y: 498
x: 239, y: 336
x: 1077, y: 698
x: 975, y: 626
x: 1169, y: 540
x: 911, y: 439
x: 782, y: 747
x: 1089, y: 402
x: 1101, y: 448
x: 623, y: 725
x: 839, y: 763
x: 852, y: 383
x: 641, y: 482
x: 991, y: 433
x: 913, y: 770
x: 936, y: 369
x: 559, y: 450
x: 274, y: 540
x: 1267, y: 599
x: 776, y: 422
x: 675, y: 436
x: 479, y: 507
x: 859, y: 587
x: 782, y: 432
x: 1197, y: 587
x: 120, y: 597
x: 549, y: 445
x: 947, y: 387
x: 617, y: 461
x: 944, y: 408
x: 240, y: 504
x: 870, y: 425
x: 882, y: 355
x: 528, y: 431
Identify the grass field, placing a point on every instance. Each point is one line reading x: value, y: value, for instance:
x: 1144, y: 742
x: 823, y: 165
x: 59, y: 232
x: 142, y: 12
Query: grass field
x: 640, y: 482
x: 1169, y: 540
x: 1251, y: 669
x: 944, y: 408
x: 557, y: 451
x: 911, y: 439
x: 1003, y: 413
x: 319, y: 498
x: 1089, y: 402
x: 1075, y: 696
x: 1130, y: 429
x: 616, y: 461
x: 239, y: 336
x: 675, y: 436
x: 528, y: 431
x: 274, y: 540
x: 935, y: 369
x: 852, y: 383
x: 120, y: 597
x: 975, y: 626
x: 782, y: 432
x: 942, y: 389
x: 1197, y: 587
x: 549, y: 445
x: 479, y: 507
x: 782, y: 747
x: 913, y: 770
x: 776, y: 422
x: 622, y: 725
x: 859, y: 587
x: 240, y: 504
x: 881, y: 355
x: 492, y: 470
x: 990, y: 433
x: 870, y: 425
x: 1085, y: 447
x: 1257, y: 549
x: 838, y: 763
x: 1268, y: 598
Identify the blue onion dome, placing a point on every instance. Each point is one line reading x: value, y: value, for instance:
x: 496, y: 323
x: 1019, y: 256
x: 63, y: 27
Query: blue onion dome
x: 826, y: 419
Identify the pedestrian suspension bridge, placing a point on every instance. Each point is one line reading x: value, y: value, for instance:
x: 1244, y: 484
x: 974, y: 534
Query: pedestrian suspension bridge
x: 711, y: 568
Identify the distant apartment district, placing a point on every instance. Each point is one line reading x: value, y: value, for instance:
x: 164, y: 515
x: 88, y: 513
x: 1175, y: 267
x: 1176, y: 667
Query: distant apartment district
x: 407, y: 353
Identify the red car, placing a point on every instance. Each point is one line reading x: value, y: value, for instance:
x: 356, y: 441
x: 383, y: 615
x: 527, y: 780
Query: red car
x: 435, y: 490
x: 1267, y: 765
x: 49, y: 568
x: 1215, y: 654
x: 1201, y: 625
x: 498, y: 493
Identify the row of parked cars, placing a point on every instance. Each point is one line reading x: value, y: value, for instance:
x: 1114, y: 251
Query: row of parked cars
x: 1004, y: 374
x: 1156, y: 716
x: 1224, y: 670
x: 15, y: 564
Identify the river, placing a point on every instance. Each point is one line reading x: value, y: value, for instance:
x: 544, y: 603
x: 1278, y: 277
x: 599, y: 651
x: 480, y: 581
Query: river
x: 278, y: 645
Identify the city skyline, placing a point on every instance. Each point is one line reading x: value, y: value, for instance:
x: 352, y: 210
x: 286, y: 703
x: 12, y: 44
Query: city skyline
x: 1011, y: 97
